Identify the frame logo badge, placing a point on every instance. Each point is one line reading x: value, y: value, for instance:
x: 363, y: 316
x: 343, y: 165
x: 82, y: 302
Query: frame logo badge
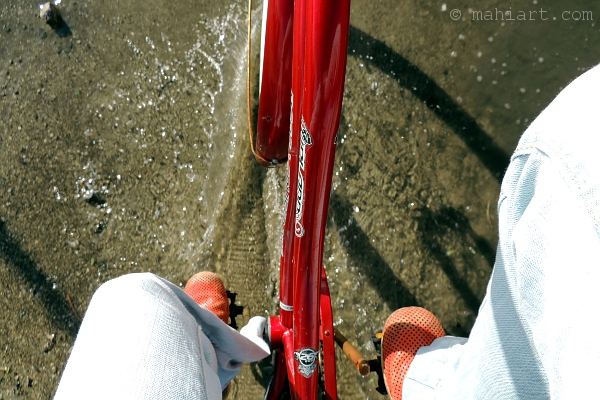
x: 305, y: 140
x: 307, y: 361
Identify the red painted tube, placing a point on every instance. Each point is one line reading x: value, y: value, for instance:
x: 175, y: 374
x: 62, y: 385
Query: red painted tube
x: 327, y: 336
x: 277, y: 384
x: 276, y: 331
x: 325, y: 42
x: 288, y: 349
x: 320, y: 35
x: 276, y: 83
x: 286, y: 266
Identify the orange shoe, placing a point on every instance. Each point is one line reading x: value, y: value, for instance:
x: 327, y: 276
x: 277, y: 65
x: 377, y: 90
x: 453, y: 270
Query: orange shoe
x: 406, y: 331
x: 207, y: 289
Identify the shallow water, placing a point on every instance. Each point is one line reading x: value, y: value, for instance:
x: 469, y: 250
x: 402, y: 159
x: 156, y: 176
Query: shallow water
x: 124, y: 149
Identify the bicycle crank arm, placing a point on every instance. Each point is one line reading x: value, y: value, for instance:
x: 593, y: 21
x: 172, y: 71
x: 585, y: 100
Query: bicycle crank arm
x: 362, y: 365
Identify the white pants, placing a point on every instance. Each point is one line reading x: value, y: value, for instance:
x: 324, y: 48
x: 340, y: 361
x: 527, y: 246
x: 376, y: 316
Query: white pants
x: 535, y: 335
x: 144, y: 338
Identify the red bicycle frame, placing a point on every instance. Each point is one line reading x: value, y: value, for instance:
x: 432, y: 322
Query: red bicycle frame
x: 305, y: 51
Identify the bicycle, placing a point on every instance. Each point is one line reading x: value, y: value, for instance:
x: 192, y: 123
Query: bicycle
x: 302, y: 72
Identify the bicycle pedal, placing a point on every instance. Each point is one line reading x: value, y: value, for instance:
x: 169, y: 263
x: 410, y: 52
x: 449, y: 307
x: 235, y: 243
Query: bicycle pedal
x: 375, y: 364
x: 234, y: 309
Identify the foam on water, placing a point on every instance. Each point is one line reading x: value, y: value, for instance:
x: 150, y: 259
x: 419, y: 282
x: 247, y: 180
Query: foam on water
x: 212, y: 71
x: 224, y: 51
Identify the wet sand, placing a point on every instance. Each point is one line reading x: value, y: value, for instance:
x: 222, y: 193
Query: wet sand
x: 124, y: 149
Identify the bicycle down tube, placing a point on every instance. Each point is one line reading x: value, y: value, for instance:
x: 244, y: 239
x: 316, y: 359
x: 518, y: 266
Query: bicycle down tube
x: 320, y: 37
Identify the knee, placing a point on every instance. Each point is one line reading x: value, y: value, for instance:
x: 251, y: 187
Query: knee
x: 128, y: 286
